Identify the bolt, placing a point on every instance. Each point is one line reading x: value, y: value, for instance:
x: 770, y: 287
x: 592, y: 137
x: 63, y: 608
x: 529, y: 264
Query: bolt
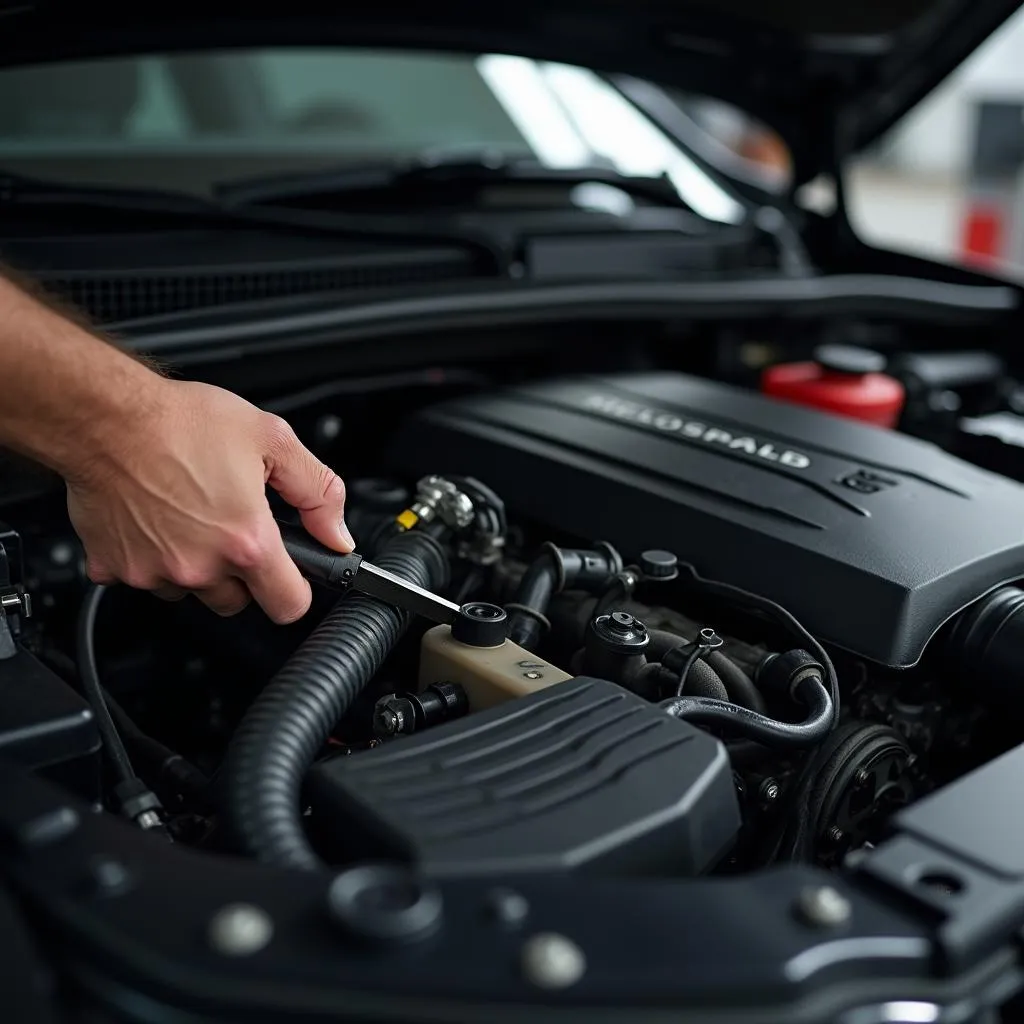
x: 108, y: 877
x: 388, y: 721
x: 507, y: 906
x: 62, y: 554
x: 836, y: 835
x: 768, y: 793
x: 392, y: 715
x: 823, y: 906
x: 534, y: 675
x: 552, y: 961
x: 240, y: 929
x: 862, y: 777
x: 329, y: 427
x: 621, y: 622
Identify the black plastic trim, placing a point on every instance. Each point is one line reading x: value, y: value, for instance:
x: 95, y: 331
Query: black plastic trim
x: 262, y: 326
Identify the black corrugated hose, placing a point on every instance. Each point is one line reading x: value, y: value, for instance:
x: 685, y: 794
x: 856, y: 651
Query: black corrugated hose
x: 288, y: 723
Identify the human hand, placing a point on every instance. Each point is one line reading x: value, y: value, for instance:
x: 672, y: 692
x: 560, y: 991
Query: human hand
x: 172, y: 499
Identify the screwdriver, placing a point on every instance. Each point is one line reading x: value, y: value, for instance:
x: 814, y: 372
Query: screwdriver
x: 319, y: 563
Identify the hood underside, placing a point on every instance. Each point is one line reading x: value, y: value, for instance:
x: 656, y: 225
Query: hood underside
x: 830, y: 78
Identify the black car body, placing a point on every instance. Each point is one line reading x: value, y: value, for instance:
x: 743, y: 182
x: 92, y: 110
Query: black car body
x: 799, y: 809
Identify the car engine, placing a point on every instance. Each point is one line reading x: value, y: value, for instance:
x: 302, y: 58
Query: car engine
x: 658, y: 627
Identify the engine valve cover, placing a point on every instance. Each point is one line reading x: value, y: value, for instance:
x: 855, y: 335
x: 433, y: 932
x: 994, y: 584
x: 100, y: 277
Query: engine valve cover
x: 871, y: 538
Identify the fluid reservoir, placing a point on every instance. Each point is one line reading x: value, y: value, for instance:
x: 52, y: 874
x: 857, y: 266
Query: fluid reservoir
x: 842, y: 379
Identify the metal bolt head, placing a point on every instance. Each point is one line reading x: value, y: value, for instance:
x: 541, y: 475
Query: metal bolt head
x: 387, y: 722
x: 393, y: 715
x: 108, y: 877
x: 836, y: 835
x: 552, y: 961
x: 240, y: 929
x: 533, y: 674
x: 862, y: 777
x: 823, y: 906
x: 507, y: 906
x: 768, y: 793
x: 62, y: 554
x: 329, y: 428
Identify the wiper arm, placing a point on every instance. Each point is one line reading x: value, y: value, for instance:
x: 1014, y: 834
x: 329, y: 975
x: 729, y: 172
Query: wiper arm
x: 426, y: 170
x: 31, y: 193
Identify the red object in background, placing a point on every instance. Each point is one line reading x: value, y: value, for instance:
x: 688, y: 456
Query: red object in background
x: 983, y: 242
x: 843, y: 380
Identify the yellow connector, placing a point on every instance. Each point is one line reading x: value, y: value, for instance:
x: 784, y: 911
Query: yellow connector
x: 407, y: 519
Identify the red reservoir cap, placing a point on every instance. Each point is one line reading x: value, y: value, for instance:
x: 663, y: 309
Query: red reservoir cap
x: 844, y: 380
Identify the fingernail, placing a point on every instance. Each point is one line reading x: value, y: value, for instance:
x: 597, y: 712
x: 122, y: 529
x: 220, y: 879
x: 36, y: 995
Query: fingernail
x: 346, y: 534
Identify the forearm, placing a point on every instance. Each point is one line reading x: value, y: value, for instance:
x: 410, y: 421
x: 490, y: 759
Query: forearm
x: 66, y: 392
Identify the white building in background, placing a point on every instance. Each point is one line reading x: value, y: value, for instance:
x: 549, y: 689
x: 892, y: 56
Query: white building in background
x: 935, y: 140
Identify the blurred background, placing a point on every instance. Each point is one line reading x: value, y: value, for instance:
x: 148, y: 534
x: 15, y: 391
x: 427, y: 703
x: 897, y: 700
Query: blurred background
x: 947, y: 182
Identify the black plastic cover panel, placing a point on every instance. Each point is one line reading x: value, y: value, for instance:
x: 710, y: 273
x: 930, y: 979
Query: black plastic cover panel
x: 581, y: 775
x: 871, y: 538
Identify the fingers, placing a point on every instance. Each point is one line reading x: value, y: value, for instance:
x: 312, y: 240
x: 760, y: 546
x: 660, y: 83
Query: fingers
x: 276, y: 583
x: 99, y: 575
x: 309, y: 486
x: 226, y: 598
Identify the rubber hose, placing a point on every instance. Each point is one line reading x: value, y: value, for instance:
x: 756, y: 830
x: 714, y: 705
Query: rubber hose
x: 810, y: 691
x: 533, y: 594
x: 169, y: 767
x: 289, y: 722
x: 166, y: 766
x: 703, y: 681
x: 662, y: 641
x: 738, y: 684
x: 730, y: 682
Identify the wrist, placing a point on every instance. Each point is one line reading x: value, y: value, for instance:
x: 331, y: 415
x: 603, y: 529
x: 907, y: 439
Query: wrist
x: 73, y: 401
x: 97, y: 439
x: 100, y: 399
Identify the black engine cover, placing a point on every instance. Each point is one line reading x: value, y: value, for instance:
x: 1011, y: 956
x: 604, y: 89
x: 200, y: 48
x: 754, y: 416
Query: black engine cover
x: 871, y: 538
x: 583, y: 775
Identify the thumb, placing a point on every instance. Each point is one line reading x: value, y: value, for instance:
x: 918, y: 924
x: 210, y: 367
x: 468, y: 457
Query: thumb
x: 314, y: 489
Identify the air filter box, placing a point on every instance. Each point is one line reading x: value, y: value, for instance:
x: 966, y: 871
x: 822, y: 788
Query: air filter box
x: 582, y: 775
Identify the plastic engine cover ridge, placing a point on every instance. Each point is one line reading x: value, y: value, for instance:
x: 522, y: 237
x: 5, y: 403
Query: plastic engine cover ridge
x: 581, y: 775
x: 873, y: 539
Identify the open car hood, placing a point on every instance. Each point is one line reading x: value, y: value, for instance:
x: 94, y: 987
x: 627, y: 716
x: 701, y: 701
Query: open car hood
x: 828, y: 77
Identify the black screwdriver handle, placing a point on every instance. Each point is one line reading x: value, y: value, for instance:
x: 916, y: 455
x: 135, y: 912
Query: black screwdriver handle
x: 318, y: 562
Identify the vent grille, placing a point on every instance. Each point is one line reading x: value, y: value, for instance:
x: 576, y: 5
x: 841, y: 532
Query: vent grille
x: 127, y: 296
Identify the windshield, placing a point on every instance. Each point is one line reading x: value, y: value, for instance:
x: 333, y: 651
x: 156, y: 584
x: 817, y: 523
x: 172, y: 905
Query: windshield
x: 188, y: 121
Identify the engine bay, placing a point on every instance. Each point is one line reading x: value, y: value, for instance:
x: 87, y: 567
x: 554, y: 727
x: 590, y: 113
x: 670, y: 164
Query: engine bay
x: 661, y: 628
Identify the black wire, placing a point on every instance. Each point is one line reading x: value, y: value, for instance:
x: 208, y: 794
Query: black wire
x: 769, y: 608
x: 687, y: 665
x: 86, y: 648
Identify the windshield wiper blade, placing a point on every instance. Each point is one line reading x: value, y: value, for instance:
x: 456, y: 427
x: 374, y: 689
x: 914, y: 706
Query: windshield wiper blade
x: 427, y: 170
x: 30, y: 193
